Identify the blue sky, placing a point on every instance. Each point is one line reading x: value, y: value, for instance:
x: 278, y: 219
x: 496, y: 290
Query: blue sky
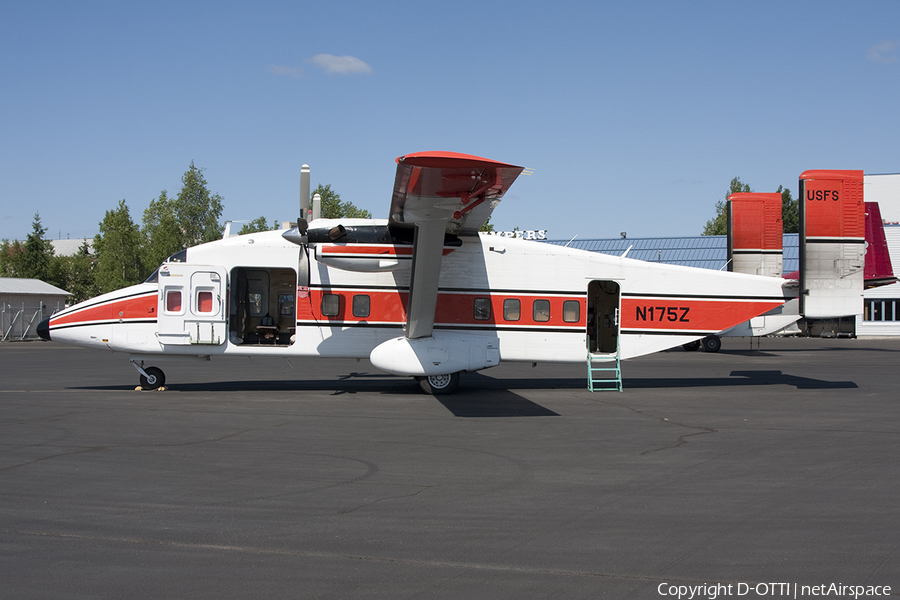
x: 634, y: 116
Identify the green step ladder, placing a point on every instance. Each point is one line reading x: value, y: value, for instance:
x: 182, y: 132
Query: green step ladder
x: 604, y: 372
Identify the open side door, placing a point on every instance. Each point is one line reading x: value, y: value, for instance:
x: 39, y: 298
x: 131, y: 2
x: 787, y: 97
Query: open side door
x: 191, y: 305
x: 603, y: 317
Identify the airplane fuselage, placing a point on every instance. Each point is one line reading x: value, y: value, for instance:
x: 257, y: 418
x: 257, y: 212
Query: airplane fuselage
x: 506, y: 299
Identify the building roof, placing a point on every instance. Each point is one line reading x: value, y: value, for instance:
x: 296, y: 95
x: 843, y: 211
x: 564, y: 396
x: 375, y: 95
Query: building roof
x: 71, y: 247
x: 703, y: 251
x: 15, y: 285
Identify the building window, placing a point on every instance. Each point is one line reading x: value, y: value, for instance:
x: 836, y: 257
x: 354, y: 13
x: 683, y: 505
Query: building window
x: 361, y: 305
x: 482, y: 309
x: 331, y: 305
x: 541, y: 311
x: 881, y: 309
x: 571, y: 311
x: 512, y: 309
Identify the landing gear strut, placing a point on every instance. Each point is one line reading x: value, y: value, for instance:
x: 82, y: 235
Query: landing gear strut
x: 437, y: 385
x: 152, y: 378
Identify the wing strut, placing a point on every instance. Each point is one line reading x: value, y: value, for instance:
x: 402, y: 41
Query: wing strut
x: 428, y: 247
x: 436, y: 193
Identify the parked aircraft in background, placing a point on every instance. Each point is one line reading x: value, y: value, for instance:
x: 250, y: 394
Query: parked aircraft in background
x: 419, y: 294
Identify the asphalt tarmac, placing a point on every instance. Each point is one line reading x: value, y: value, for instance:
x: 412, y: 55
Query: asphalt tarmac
x: 327, y: 479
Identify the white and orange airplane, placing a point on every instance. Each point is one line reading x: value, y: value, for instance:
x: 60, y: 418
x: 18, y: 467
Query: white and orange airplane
x: 419, y: 294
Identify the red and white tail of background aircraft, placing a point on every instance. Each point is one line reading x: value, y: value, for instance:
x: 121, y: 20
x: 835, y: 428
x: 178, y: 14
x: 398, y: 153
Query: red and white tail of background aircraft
x: 842, y: 250
x: 419, y: 294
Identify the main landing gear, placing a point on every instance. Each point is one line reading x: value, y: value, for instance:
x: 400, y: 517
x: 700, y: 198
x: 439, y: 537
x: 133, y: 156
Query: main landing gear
x: 152, y: 378
x: 437, y: 385
x: 710, y: 343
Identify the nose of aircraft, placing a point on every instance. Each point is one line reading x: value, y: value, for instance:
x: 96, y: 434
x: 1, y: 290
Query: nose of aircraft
x: 43, y: 329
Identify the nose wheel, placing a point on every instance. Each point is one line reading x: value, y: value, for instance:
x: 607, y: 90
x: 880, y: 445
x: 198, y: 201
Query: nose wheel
x: 152, y: 378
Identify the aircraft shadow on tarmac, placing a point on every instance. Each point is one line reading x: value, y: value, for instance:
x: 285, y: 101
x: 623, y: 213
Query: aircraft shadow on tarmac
x: 479, y: 396
x: 742, y: 378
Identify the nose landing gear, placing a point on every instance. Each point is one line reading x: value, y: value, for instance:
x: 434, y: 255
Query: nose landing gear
x: 152, y: 378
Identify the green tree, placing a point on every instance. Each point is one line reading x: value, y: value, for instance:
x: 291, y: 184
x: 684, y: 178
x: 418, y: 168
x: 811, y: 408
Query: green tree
x: 37, y: 253
x: 718, y: 225
x: 790, y: 211
x: 191, y: 218
x: 335, y: 208
x: 10, y: 257
x: 76, y: 274
x: 196, y: 210
x: 118, y: 251
x: 162, y: 235
x: 256, y: 225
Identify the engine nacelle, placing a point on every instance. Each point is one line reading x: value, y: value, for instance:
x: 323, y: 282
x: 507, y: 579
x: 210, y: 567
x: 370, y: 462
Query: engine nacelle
x: 443, y: 353
x: 364, y: 259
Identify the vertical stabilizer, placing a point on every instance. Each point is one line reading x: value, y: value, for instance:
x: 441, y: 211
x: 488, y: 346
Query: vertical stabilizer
x: 832, y: 243
x: 755, y: 234
x: 879, y: 270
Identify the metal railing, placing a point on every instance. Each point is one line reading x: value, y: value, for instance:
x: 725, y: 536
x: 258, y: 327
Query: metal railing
x: 20, y: 321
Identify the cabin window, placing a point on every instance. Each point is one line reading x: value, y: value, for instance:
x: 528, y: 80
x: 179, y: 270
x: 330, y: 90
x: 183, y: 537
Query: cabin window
x: 205, y: 301
x: 541, y: 311
x: 571, y: 311
x: 512, y: 309
x: 173, y: 301
x: 482, y: 309
x: 258, y: 293
x: 286, y: 304
x: 256, y: 303
x: 361, y: 305
x: 331, y: 305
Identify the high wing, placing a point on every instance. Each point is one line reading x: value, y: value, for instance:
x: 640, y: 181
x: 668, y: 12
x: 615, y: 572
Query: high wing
x: 439, y: 193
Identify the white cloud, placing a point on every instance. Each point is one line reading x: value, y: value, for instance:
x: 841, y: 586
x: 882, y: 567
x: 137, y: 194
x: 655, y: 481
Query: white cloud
x: 281, y: 70
x: 342, y: 65
x: 884, y: 52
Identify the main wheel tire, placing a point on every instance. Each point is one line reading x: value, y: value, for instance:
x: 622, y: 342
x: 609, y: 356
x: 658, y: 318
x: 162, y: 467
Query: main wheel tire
x: 711, y: 344
x: 154, y: 380
x: 437, y: 385
x: 691, y: 346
